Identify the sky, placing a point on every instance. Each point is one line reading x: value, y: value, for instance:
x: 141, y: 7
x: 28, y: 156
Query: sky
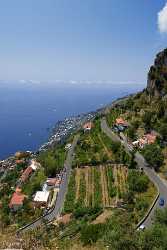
x: 75, y: 40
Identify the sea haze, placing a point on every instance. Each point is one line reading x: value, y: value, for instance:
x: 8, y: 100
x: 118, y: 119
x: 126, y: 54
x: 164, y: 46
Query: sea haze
x: 29, y: 110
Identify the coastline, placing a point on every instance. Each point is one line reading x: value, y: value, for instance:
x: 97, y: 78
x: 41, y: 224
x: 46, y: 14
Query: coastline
x: 60, y: 132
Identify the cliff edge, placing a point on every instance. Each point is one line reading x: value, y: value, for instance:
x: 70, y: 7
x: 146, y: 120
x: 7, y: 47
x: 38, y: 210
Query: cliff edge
x: 157, y: 76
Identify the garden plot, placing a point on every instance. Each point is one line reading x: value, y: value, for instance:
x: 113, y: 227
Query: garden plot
x: 102, y: 185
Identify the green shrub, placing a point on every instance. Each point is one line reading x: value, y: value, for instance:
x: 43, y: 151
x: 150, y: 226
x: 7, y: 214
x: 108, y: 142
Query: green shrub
x: 70, y: 196
x: 137, y: 182
x: 153, y: 155
x: 91, y: 233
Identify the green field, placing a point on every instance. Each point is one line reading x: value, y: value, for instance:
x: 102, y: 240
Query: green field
x: 96, y: 186
x: 93, y: 147
x: 107, y: 186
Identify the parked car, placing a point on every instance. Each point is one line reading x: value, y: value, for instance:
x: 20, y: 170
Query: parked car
x: 161, y: 202
x: 115, y: 129
x: 141, y: 228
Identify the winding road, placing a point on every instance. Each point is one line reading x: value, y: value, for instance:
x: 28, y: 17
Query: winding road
x: 61, y: 195
x: 158, y: 182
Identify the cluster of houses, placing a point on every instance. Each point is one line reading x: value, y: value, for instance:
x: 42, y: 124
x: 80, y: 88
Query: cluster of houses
x: 7, y: 165
x: 64, y: 128
x: 43, y: 197
x: 147, y: 139
x: 18, y: 197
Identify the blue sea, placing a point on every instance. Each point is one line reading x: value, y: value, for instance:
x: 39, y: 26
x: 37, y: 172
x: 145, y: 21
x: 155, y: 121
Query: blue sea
x: 28, y: 111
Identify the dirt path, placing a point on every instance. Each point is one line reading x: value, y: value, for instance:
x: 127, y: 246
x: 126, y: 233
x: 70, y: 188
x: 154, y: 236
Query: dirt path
x: 90, y: 194
x: 108, y: 183
x: 119, y: 178
x: 92, y: 186
x: 102, y: 186
x: 122, y: 174
x: 77, y: 181
x: 124, y: 177
x: 105, y: 196
x: 115, y: 180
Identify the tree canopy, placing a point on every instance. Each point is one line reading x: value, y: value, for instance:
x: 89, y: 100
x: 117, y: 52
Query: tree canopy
x: 137, y: 182
x: 153, y: 155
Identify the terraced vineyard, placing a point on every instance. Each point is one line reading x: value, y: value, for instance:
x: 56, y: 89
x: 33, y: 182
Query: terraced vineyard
x: 102, y: 186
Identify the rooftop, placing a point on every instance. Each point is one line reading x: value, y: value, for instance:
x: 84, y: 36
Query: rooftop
x: 88, y: 125
x: 41, y: 196
x: 17, y: 199
x: 26, y: 174
x: 151, y: 138
x: 121, y: 121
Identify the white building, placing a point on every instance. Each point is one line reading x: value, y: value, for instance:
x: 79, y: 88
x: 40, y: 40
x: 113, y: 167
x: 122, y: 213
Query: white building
x: 68, y: 146
x: 41, y: 198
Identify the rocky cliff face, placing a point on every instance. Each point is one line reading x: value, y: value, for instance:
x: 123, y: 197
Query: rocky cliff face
x: 157, y: 76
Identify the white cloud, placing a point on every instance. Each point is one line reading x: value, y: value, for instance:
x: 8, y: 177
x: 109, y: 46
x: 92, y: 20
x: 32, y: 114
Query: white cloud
x: 162, y: 20
x: 35, y: 81
x: 22, y: 81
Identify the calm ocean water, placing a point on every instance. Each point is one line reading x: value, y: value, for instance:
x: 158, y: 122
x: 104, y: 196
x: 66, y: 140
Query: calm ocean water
x: 27, y: 111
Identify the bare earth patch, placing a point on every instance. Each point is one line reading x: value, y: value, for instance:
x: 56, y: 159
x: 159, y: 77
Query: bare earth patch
x: 103, y: 217
x: 65, y: 219
x: 105, y: 196
x: 77, y: 180
x: 87, y: 186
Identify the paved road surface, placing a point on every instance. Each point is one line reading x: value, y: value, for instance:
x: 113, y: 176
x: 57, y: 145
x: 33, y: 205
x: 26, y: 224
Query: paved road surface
x: 158, y: 182
x: 61, y: 195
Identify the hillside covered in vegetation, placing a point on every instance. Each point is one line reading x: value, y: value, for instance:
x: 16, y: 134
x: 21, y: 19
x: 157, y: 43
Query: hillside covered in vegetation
x: 108, y: 193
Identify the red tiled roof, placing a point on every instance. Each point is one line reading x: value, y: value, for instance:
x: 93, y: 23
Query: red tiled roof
x: 87, y: 125
x: 17, y: 199
x: 150, y: 138
x: 26, y: 174
x: 121, y: 121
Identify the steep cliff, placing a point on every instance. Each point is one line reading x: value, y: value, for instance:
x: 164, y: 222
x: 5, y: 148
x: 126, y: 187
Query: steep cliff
x: 157, y: 76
